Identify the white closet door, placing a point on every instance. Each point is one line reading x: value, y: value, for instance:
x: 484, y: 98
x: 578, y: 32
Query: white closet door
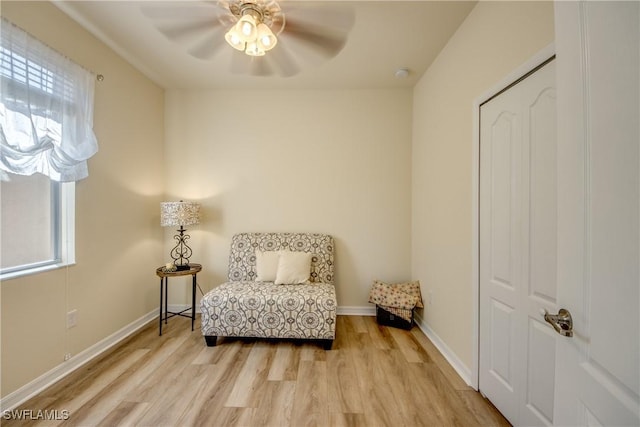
x: 518, y: 248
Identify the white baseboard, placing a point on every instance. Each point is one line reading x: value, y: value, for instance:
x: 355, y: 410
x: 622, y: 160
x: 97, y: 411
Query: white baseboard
x: 12, y: 400
x: 452, y: 358
x: 356, y: 310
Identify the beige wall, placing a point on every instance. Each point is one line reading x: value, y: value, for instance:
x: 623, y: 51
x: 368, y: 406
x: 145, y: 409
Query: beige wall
x: 495, y: 39
x: 335, y: 162
x: 118, y: 238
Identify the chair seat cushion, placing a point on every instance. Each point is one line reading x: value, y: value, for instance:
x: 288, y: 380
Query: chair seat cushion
x: 264, y: 309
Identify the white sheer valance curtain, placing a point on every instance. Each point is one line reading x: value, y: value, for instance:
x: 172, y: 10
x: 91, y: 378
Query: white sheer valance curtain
x: 46, y: 110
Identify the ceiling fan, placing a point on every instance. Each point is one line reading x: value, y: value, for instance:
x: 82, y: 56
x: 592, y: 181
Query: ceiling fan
x: 266, y: 37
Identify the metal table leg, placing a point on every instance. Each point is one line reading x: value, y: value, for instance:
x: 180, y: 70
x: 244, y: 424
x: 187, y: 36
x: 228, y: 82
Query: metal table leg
x: 166, y: 300
x: 161, y: 297
x: 193, y: 301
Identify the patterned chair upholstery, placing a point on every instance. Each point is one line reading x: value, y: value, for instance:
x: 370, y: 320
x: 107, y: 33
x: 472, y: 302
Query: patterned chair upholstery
x: 243, y: 307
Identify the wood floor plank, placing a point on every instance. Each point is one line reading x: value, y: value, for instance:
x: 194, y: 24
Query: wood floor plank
x: 167, y: 408
x: 102, y: 403
x: 250, y: 382
x: 379, y: 402
x: 210, y: 397
x: 338, y: 419
x: 482, y: 409
x: 414, y: 408
x: 276, y: 406
x: 211, y: 355
x: 409, y: 346
x: 234, y: 417
x: 126, y: 414
x: 373, y: 376
x: 343, y: 391
x: 446, y: 402
x: 380, y: 336
x: 281, y: 362
x: 358, y: 324
x: 310, y: 406
x: 450, y: 373
x: 160, y: 380
x: 74, y: 399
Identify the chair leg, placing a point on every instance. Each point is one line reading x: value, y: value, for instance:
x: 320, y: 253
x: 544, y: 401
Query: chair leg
x: 327, y: 344
x: 210, y: 340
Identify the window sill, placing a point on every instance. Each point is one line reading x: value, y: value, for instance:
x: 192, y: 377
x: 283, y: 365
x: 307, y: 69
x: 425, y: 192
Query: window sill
x: 34, y: 270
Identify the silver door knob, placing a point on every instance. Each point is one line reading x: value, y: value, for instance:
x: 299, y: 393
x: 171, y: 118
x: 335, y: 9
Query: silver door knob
x: 561, y: 322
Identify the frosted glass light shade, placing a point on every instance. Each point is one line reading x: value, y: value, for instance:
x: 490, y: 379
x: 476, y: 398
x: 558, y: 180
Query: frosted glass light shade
x: 266, y: 39
x: 179, y: 213
x: 234, y: 40
x: 246, y: 28
x: 253, y: 49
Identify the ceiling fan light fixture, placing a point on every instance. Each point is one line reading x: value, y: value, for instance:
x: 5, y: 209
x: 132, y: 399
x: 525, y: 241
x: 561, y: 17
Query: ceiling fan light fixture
x: 234, y: 40
x: 253, y: 49
x: 258, y: 22
x: 266, y: 39
x: 246, y: 28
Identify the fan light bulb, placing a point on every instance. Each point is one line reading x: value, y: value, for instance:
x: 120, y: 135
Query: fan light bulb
x: 246, y: 28
x: 253, y: 49
x: 266, y: 39
x: 234, y: 40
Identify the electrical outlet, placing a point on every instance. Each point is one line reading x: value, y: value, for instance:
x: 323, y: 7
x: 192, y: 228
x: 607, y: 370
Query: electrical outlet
x: 67, y: 356
x: 72, y: 318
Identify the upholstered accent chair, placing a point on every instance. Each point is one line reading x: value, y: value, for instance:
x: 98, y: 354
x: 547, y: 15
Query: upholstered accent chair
x: 280, y: 285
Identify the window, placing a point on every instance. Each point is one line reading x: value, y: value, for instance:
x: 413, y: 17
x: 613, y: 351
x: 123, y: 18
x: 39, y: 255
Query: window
x: 46, y: 137
x: 36, y: 224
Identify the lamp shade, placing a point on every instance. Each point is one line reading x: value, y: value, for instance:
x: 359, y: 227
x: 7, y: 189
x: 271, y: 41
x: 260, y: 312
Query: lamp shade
x: 179, y: 213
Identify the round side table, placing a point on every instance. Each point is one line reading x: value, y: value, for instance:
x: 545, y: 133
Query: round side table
x: 193, y: 270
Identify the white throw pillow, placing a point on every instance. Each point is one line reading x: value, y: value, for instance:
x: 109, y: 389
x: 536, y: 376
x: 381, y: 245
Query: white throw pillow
x: 293, y: 268
x: 266, y: 266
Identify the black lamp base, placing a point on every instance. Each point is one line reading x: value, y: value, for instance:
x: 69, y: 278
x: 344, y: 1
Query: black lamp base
x: 181, y: 252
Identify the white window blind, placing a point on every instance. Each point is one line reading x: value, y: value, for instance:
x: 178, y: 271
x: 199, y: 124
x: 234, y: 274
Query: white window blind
x: 46, y: 110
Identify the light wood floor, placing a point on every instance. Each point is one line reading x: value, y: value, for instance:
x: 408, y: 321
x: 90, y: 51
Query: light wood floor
x: 373, y: 376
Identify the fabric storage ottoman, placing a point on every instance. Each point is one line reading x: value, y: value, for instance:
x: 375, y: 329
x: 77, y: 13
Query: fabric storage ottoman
x: 395, y: 302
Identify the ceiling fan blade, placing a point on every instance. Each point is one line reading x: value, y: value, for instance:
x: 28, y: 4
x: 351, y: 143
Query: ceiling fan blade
x: 252, y: 65
x: 239, y: 63
x: 207, y: 47
x: 323, y: 41
x: 186, y: 30
x: 332, y: 15
x: 183, y: 10
x: 283, y: 61
x: 259, y: 66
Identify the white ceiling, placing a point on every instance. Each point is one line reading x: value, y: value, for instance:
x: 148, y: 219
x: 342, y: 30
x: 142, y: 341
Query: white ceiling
x: 385, y: 36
